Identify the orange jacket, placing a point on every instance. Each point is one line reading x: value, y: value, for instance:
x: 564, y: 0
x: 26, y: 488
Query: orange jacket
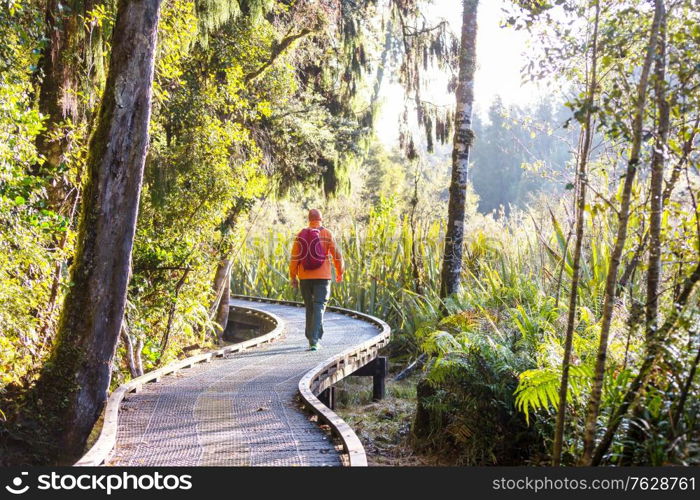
x: 296, y: 268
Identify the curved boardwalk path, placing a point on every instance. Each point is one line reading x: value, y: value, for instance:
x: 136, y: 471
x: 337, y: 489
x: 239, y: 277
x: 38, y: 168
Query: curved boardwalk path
x: 239, y: 409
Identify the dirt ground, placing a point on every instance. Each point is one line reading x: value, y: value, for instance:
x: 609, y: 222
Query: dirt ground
x: 383, y: 426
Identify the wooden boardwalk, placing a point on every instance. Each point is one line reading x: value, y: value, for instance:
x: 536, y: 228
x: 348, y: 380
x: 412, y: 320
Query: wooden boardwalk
x: 244, y: 408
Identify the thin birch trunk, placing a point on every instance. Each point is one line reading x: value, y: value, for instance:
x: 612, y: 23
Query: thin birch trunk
x: 580, y: 214
x: 621, y: 237
x: 656, y: 188
x: 128, y: 343
x: 463, y: 139
x: 133, y: 352
x: 219, y: 309
x: 138, y: 357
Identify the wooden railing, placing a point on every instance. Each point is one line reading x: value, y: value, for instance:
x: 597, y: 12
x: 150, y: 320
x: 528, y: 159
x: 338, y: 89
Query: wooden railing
x: 100, y: 451
x: 334, y: 369
x: 319, y: 378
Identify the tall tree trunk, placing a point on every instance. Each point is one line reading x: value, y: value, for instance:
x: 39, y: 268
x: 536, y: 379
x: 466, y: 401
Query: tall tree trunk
x: 463, y: 139
x: 75, y: 383
x: 621, y: 237
x: 68, y: 57
x: 580, y: 214
x: 59, y: 83
x: 656, y: 187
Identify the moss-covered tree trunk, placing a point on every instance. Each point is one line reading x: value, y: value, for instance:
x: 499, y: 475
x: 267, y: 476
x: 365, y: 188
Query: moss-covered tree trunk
x: 59, y: 82
x: 69, y: 55
x: 74, y: 385
x: 463, y: 138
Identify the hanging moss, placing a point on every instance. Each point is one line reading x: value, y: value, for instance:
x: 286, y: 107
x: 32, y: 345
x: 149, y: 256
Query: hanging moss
x: 212, y: 14
x: 428, y: 127
x: 336, y: 178
x: 423, y: 47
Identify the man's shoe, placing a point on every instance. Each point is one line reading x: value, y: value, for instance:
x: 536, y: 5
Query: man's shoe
x: 314, y: 347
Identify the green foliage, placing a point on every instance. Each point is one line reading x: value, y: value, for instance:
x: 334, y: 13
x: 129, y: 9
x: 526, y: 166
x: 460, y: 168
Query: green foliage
x: 471, y: 408
x: 219, y: 141
x: 262, y: 109
x: 28, y: 228
x: 538, y: 389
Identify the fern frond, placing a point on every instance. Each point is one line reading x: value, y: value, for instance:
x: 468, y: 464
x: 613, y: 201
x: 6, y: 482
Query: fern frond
x: 440, y: 343
x: 539, y: 388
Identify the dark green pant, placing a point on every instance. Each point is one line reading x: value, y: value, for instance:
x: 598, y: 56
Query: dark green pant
x: 315, y: 294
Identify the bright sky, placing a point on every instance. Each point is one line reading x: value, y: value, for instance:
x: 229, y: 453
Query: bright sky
x: 499, y: 60
x: 499, y: 57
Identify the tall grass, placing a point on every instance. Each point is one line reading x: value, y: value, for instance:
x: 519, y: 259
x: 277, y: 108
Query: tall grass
x: 392, y: 269
x: 500, y: 337
x: 393, y: 264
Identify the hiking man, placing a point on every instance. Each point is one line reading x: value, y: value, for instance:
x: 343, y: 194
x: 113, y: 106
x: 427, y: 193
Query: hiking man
x: 310, y: 270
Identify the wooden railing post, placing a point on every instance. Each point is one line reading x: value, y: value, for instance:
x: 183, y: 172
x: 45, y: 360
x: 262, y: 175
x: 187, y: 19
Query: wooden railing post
x: 380, y: 371
x: 327, y: 397
x: 377, y: 369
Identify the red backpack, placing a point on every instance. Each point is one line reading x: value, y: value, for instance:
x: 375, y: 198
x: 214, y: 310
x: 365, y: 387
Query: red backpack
x: 312, y: 254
